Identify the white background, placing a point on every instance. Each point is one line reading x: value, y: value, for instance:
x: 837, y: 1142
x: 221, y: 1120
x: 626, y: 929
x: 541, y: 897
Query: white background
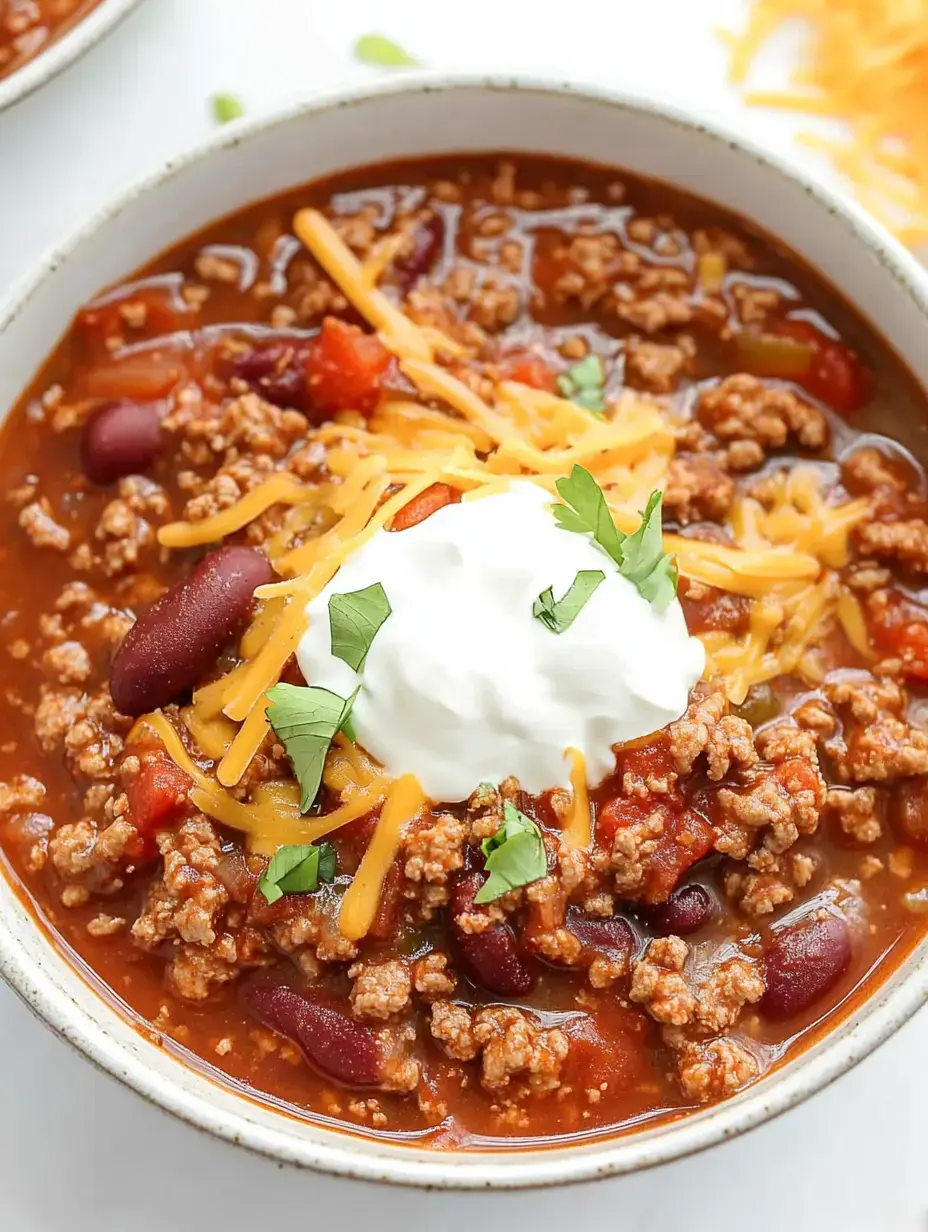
x: 77, y: 1152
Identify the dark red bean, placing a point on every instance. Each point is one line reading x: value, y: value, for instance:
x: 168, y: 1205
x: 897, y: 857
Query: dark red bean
x: 910, y: 811
x: 492, y: 958
x: 339, y: 1047
x: 277, y: 372
x: 174, y: 644
x: 803, y: 962
x: 121, y: 438
x: 686, y: 910
x: 427, y: 241
x: 613, y: 936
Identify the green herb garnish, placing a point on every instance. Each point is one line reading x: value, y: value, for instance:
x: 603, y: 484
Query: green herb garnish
x: 640, y: 557
x: 644, y: 560
x: 585, y: 384
x: 515, y: 856
x: 383, y: 52
x: 354, y: 620
x: 297, y: 870
x: 306, y: 719
x: 560, y: 614
x: 226, y: 107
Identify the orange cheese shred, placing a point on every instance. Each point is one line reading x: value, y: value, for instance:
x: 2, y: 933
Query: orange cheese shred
x: 405, y: 799
x: 280, y: 489
x: 863, y: 62
x: 579, y: 829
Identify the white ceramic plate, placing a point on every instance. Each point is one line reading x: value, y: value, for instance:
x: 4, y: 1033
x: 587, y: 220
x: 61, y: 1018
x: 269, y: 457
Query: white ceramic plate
x: 64, y: 51
x: 421, y: 115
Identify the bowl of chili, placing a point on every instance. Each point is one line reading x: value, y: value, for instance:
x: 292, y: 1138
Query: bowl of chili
x: 38, y: 41
x: 261, y: 930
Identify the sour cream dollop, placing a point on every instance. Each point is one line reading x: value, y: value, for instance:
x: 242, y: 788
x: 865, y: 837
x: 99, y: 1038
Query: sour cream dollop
x: 463, y: 685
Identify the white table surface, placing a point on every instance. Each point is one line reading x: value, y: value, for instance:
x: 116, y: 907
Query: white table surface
x: 78, y: 1152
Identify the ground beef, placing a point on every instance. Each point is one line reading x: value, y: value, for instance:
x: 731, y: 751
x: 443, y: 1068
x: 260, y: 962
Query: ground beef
x: 783, y: 797
x: 711, y: 1004
x: 510, y: 1044
x: 380, y: 990
x: 707, y: 729
x: 712, y: 1069
x: 196, y: 971
x: 905, y: 541
x: 306, y: 928
x: 22, y: 792
x: 658, y: 982
x: 698, y: 489
x: 743, y: 408
x: 857, y: 811
x: 434, y: 852
x: 876, y: 744
x: 433, y: 978
x: 186, y: 901
x: 39, y: 524
x: 657, y: 367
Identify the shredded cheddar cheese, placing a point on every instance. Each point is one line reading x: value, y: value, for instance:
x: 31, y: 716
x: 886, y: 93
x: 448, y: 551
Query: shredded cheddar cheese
x: 397, y: 332
x: 863, y: 62
x: 404, y: 800
x: 280, y: 489
x: 579, y: 829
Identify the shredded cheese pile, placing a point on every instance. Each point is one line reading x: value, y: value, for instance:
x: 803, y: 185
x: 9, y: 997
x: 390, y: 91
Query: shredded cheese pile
x: 784, y: 561
x: 865, y: 62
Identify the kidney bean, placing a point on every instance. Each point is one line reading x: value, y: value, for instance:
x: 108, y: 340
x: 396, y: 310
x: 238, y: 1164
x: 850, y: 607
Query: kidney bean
x: 427, y: 241
x: 613, y: 935
x: 277, y: 372
x: 120, y: 438
x: 491, y: 958
x: 803, y: 962
x: 174, y: 643
x: 686, y: 910
x: 338, y: 1047
x: 910, y: 811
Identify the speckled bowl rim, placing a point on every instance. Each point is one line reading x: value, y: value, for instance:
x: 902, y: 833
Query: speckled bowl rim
x: 347, y: 1154
x: 64, y: 51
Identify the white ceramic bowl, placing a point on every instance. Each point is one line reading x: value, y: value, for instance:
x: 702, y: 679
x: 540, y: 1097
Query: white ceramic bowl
x: 413, y: 116
x: 64, y: 51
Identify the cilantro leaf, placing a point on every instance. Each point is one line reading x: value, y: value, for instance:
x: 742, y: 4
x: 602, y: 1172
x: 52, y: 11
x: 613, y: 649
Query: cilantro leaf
x: 515, y: 856
x: 588, y: 512
x: 226, y: 107
x: 559, y: 614
x: 306, y: 719
x: 382, y: 52
x: 640, y: 557
x: 354, y: 620
x: 297, y: 869
x: 584, y: 383
x: 644, y: 561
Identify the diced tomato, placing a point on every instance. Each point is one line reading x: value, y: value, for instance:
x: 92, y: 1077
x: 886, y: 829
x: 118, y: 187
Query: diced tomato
x: 835, y: 375
x: 345, y: 368
x: 157, y: 799
x: 529, y: 369
x: 684, y: 838
x: 899, y: 629
x: 424, y: 505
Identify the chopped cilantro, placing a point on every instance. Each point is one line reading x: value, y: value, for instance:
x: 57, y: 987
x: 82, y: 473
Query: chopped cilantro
x: 515, y: 856
x: 559, y: 614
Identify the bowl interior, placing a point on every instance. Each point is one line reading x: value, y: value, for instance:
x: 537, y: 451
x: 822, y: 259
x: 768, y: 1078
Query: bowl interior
x: 421, y: 117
